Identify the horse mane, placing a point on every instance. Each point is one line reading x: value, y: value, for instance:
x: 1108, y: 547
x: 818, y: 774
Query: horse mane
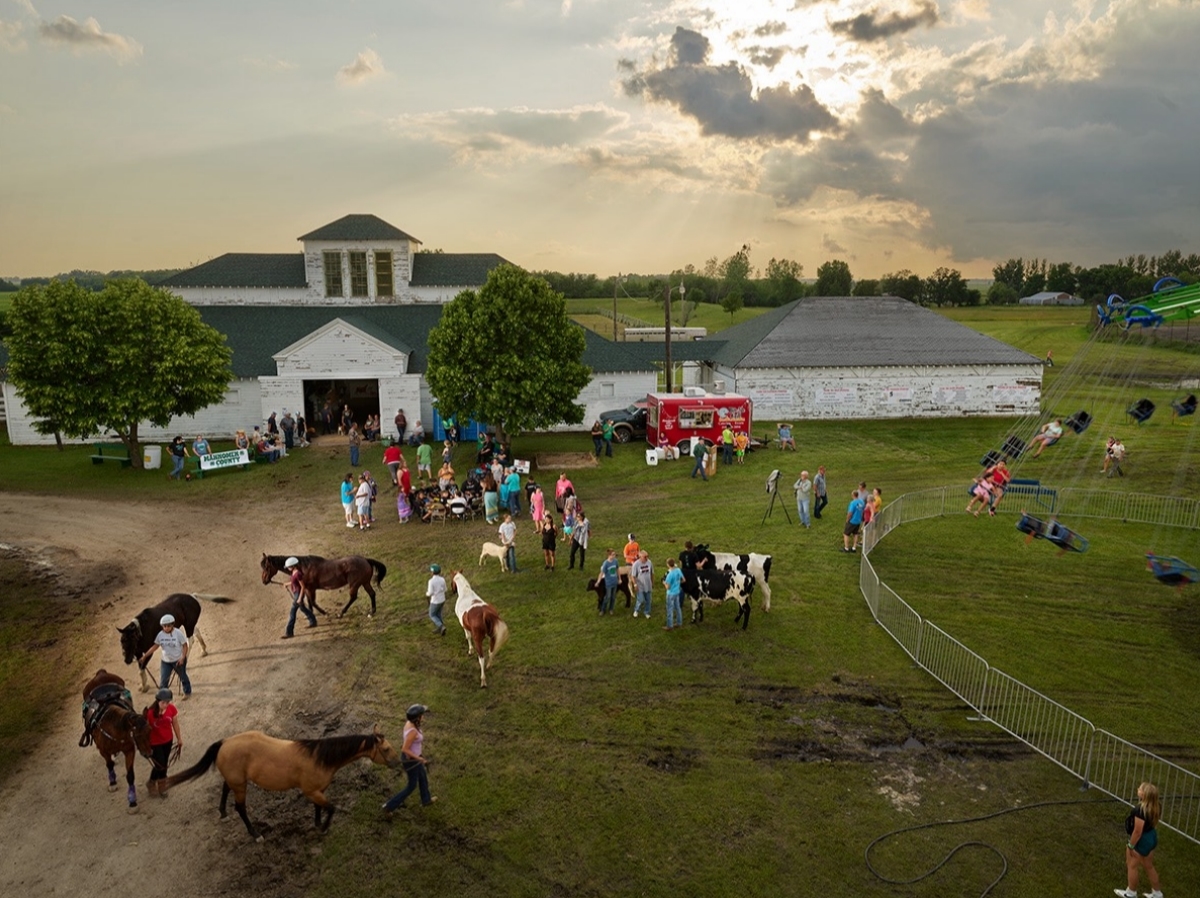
x: 335, y: 751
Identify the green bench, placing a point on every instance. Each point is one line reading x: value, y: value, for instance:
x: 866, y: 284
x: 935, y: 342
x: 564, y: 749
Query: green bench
x: 111, y: 452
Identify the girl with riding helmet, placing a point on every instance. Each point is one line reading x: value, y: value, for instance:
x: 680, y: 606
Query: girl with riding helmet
x: 164, y: 730
x: 414, y: 763
x: 295, y: 589
x: 174, y: 644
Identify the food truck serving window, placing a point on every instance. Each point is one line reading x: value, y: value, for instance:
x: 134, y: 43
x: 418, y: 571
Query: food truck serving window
x: 652, y: 415
x: 696, y: 418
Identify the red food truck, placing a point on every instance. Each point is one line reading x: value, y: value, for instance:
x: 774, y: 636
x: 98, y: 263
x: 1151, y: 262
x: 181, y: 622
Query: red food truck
x: 695, y: 413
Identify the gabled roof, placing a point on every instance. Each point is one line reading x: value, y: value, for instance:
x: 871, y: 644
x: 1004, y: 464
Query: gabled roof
x: 244, y: 270
x: 358, y: 227
x: 874, y: 331
x: 453, y: 269
x: 256, y: 334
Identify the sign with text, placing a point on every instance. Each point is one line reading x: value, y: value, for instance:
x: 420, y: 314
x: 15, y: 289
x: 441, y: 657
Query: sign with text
x: 231, y: 459
x: 898, y: 395
x: 836, y: 395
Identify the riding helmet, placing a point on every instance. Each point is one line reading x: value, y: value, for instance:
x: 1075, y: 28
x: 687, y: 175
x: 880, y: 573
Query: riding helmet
x: 435, y: 568
x: 415, y: 711
x: 166, y: 619
x: 291, y: 562
x: 163, y: 695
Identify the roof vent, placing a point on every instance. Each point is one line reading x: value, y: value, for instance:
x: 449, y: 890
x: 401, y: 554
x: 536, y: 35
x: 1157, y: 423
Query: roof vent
x: 694, y: 392
x: 718, y: 387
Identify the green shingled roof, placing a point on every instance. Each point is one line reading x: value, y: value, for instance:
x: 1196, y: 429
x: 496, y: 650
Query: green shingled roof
x: 358, y: 227
x: 244, y: 270
x: 453, y: 269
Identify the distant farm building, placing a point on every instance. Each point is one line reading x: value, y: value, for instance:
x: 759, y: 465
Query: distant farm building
x: 1050, y: 298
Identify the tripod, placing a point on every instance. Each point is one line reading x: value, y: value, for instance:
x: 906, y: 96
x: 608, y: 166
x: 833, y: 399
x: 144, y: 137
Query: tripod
x: 771, y: 507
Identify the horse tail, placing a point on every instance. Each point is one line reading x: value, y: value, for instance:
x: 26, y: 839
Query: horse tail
x: 197, y: 769
x: 380, y: 569
x: 499, y: 636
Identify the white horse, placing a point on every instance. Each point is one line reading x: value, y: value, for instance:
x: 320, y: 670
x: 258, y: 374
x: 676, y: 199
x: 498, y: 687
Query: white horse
x: 480, y: 622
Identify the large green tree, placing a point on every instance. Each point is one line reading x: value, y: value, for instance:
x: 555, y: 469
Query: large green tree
x: 834, y: 279
x: 783, y: 276
x: 508, y: 354
x: 902, y: 283
x: 85, y: 362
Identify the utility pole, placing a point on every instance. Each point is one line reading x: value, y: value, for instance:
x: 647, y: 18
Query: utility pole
x: 667, y: 306
x: 616, y: 284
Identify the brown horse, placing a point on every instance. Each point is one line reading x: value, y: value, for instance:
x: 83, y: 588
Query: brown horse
x: 115, y: 728
x: 280, y: 764
x: 330, y: 573
x: 481, y: 623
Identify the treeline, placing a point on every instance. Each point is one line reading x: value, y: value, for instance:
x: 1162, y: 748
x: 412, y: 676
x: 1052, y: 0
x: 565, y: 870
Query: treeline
x: 92, y: 280
x: 734, y: 282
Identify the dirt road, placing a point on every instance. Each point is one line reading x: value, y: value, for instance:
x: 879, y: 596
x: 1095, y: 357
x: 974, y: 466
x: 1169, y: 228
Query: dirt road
x: 62, y: 831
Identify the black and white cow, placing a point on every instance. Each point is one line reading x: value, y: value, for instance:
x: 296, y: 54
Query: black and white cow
x: 751, y: 564
x: 718, y: 586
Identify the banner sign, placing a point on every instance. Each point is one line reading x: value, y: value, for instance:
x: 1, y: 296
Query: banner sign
x: 230, y: 459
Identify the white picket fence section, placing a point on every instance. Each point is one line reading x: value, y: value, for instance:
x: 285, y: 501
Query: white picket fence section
x: 1100, y: 759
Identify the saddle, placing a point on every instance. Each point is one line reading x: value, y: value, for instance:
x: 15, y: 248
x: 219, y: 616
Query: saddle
x: 100, y: 700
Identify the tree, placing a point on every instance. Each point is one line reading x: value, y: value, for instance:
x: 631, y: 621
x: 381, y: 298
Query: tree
x: 902, y: 283
x: 834, y: 279
x: 87, y: 362
x: 867, y: 287
x: 733, y: 302
x: 508, y: 354
x: 1000, y: 294
x: 1011, y: 273
x: 945, y: 287
x: 783, y: 277
x: 1061, y: 278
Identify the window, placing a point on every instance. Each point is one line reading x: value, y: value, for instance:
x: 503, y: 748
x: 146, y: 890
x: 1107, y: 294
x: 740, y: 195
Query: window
x: 358, y: 274
x: 696, y: 418
x: 383, y: 275
x: 333, y: 274
x: 607, y: 391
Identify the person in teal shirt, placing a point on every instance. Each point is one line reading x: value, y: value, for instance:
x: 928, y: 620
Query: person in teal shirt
x: 673, y: 581
x: 348, y: 499
x: 610, y: 570
x: 607, y: 433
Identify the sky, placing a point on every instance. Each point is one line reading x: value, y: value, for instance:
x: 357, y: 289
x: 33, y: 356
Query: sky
x: 602, y: 136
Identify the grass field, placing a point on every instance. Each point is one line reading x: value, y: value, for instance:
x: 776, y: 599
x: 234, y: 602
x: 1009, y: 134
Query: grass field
x: 611, y: 757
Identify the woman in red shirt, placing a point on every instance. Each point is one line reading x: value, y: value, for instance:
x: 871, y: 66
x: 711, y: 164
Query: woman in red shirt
x: 164, y: 730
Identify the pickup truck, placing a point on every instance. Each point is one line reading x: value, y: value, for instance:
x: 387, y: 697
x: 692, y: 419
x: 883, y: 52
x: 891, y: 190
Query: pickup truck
x: 628, y: 423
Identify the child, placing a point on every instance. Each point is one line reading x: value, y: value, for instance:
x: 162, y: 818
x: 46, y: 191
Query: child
x: 435, y: 591
x: 164, y: 729
x: 740, y: 442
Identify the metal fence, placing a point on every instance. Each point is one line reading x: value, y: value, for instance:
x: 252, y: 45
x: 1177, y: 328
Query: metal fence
x: 1100, y: 759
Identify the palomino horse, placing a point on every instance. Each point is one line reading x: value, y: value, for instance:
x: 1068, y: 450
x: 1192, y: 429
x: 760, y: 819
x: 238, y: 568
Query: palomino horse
x: 115, y: 728
x: 330, y: 573
x: 480, y: 621
x: 280, y: 764
x: 138, y: 635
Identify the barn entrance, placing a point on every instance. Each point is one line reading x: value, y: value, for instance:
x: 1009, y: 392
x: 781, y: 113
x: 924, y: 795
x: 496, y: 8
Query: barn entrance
x: 361, y: 394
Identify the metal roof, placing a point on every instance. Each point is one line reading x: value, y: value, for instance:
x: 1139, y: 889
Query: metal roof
x: 357, y: 228
x: 244, y: 270
x: 873, y: 331
x: 453, y: 269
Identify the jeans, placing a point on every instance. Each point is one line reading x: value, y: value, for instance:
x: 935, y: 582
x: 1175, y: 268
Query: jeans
x: 822, y: 501
x: 607, y: 447
x: 598, y: 443
x: 180, y: 667
x: 510, y: 553
x: 699, y: 467
x: 418, y: 777
x: 727, y: 453
x: 354, y: 456
x: 582, y: 554
x: 802, y: 510
x: 435, y: 615
x: 299, y: 606
x: 400, y: 436
x: 514, y: 503
x: 177, y: 466
x: 289, y: 438
x: 610, y: 598
x: 674, y: 612
x: 643, y: 602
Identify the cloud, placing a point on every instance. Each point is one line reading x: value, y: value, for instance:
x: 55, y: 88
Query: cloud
x: 768, y: 57
x: 722, y: 98
x: 770, y: 29
x: 513, y: 130
x: 366, y: 65
x: 874, y: 25
x: 830, y: 245
x: 270, y: 64
x: 10, y: 36
x: 84, y: 36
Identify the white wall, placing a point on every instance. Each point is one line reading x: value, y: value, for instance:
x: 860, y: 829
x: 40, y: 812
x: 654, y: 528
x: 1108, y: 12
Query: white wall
x: 242, y: 408
x: 609, y: 391
x: 341, y: 351
x: 899, y: 392
x: 253, y: 296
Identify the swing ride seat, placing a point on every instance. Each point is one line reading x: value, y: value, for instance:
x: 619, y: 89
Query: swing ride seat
x: 1065, y: 538
x: 1079, y: 422
x: 1184, y: 407
x: 990, y: 459
x: 1170, y: 570
x: 1141, y: 411
x: 1035, y: 527
x: 1013, y: 447
x: 1043, y: 496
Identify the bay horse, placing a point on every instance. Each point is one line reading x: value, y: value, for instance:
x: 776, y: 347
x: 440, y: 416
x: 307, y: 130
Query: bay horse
x: 280, y: 764
x: 480, y: 621
x: 138, y: 635
x: 115, y: 728
x: 329, y: 573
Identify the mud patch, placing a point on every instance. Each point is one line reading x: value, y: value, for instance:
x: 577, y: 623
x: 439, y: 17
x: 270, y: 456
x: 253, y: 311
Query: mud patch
x: 549, y: 461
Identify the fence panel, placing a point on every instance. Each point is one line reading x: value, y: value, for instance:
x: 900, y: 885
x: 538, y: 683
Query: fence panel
x: 900, y: 620
x: 1119, y: 767
x: 1170, y: 511
x: 954, y: 665
x: 868, y: 582
x: 1040, y: 722
x: 922, y: 504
